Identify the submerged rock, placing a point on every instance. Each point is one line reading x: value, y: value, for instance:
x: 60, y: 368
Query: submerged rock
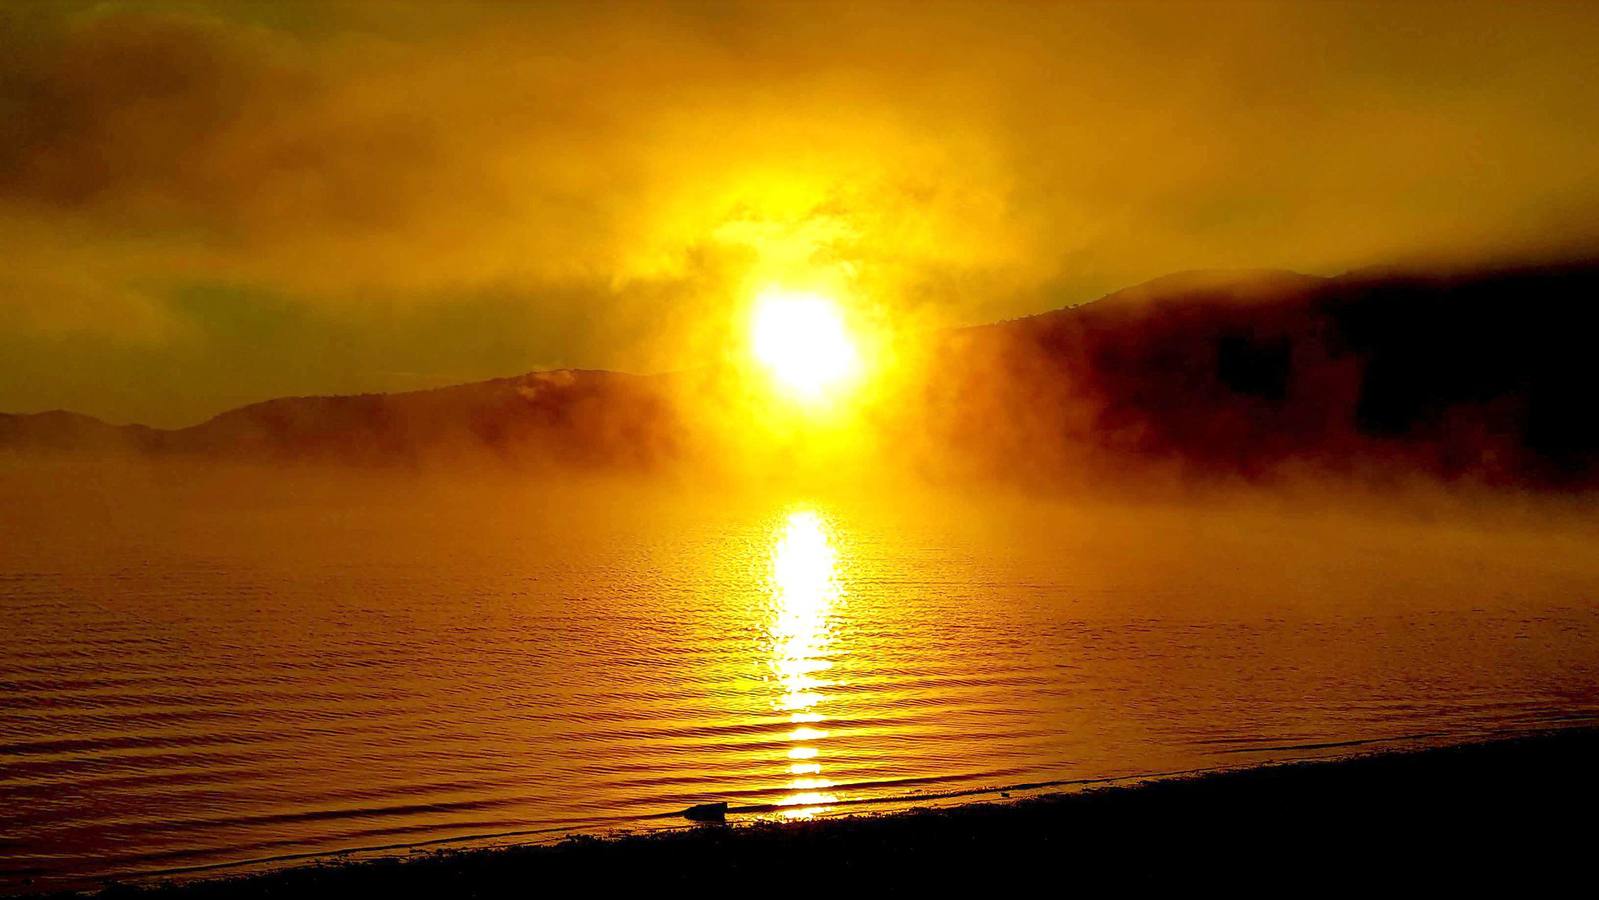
x: 706, y: 812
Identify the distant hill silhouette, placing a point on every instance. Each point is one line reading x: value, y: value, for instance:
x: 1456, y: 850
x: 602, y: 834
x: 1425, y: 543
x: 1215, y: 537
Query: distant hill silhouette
x: 59, y: 430
x: 569, y: 417
x: 1488, y: 377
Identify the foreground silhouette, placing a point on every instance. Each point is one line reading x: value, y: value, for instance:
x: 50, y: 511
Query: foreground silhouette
x: 1507, y: 813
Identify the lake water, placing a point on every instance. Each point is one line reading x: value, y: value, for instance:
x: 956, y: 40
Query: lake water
x: 231, y: 670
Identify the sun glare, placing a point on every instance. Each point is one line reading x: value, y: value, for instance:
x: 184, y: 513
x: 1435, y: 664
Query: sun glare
x: 804, y: 343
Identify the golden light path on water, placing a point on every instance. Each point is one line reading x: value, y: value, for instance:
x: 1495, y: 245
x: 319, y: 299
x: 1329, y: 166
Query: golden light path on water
x: 220, y: 676
x: 804, y: 588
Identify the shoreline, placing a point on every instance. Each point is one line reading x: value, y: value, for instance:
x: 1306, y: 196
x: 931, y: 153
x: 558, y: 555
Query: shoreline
x: 1511, y: 810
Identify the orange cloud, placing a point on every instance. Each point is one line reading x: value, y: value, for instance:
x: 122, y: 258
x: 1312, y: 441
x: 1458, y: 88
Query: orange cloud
x: 647, y: 166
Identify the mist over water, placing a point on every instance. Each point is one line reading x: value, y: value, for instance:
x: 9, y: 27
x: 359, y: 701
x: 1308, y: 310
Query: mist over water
x: 208, y: 667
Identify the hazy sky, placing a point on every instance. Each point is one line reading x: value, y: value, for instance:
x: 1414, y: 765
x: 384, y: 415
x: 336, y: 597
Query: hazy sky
x: 203, y: 205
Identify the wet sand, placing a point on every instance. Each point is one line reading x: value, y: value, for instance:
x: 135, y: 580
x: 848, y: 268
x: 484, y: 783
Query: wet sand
x: 1515, y: 813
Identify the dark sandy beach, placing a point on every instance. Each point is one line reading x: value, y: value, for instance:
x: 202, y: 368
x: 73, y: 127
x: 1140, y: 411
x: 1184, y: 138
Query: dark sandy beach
x: 1511, y: 814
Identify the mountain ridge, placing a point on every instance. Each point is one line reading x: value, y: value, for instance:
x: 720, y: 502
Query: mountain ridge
x: 1484, y: 376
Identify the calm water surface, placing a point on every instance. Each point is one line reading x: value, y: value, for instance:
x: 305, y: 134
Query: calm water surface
x: 209, y: 673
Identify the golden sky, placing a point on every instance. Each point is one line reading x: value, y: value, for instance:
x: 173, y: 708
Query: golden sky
x: 204, y: 205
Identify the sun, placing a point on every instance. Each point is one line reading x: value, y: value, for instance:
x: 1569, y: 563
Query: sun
x: 804, y: 343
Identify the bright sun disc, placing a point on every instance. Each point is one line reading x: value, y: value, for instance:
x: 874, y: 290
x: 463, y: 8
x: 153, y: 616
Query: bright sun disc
x: 804, y: 343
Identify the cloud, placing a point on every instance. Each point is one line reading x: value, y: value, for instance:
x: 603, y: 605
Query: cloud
x: 632, y: 170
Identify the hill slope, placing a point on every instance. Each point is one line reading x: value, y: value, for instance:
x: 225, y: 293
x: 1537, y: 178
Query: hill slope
x: 1488, y: 377
x: 567, y: 416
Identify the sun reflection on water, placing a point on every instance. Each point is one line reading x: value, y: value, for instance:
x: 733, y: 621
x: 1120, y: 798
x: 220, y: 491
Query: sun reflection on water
x: 804, y: 588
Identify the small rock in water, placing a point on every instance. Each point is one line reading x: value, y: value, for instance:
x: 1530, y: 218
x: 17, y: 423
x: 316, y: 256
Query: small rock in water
x: 706, y: 812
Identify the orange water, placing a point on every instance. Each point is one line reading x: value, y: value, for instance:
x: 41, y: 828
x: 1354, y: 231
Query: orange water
x: 221, y: 673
